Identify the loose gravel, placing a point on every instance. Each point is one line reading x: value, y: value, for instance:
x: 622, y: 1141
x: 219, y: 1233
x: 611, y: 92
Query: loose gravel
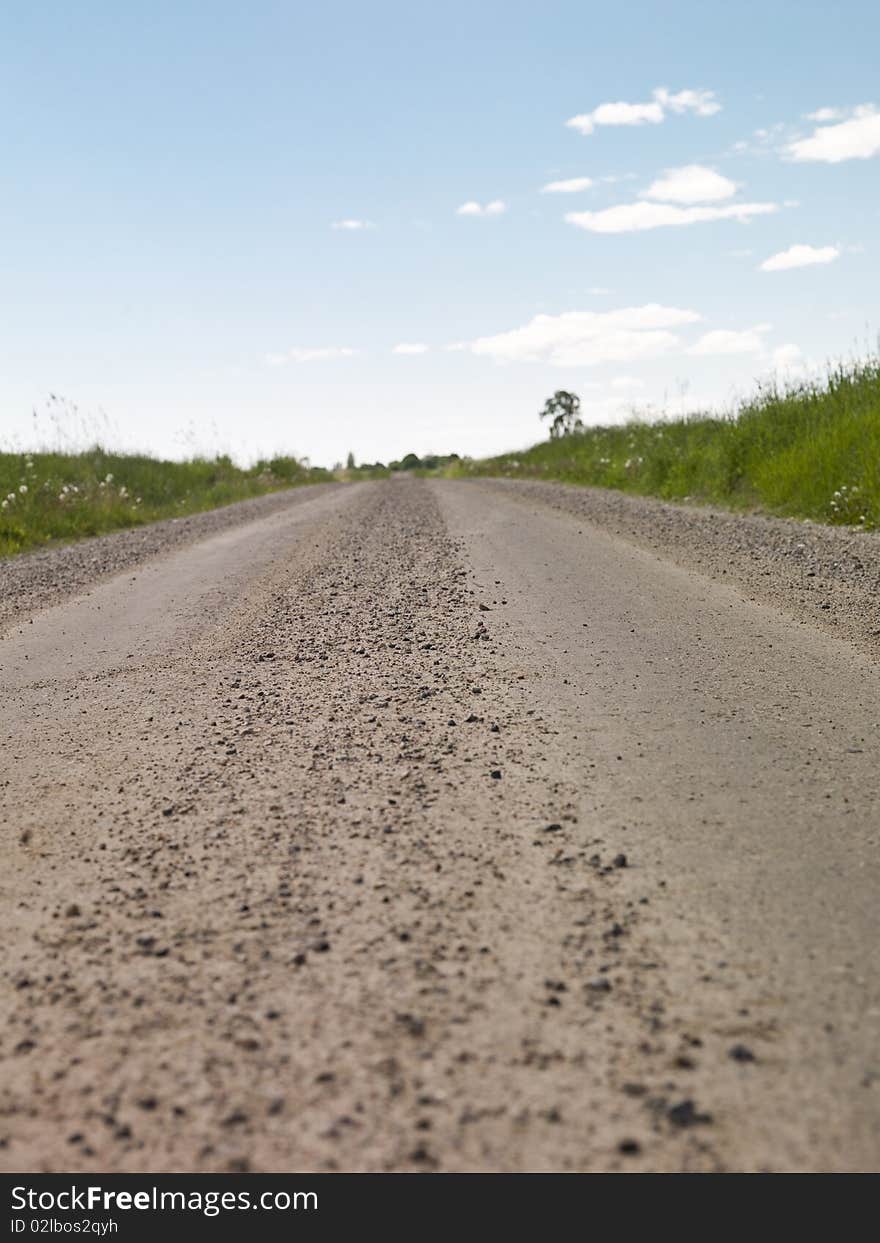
x: 827, y: 577
x: 298, y: 894
x: 429, y: 827
x: 36, y: 580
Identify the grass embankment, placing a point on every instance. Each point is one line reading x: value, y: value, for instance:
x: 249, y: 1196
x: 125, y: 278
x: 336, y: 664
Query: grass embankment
x: 810, y: 450
x: 66, y: 496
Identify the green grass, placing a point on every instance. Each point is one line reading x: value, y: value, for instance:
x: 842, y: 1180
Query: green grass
x: 47, y: 497
x: 810, y: 450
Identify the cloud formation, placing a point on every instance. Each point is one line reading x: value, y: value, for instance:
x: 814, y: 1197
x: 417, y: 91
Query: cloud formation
x: 586, y: 338
x: 788, y: 358
x: 573, y: 186
x: 823, y: 115
x: 410, y: 347
x: 857, y: 138
x: 694, y: 183
x: 700, y: 103
x: 636, y: 217
x: 726, y: 341
x: 473, y: 208
x: 352, y: 226
x: 800, y: 257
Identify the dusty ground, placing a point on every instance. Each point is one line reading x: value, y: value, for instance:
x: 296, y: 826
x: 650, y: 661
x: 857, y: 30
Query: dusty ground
x: 37, y: 579
x: 432, y: 826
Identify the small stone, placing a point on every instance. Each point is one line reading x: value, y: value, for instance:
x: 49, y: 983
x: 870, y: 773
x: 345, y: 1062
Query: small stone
x: 741, y: 1053
x: 686, y: 1114
x: 414, y: 1026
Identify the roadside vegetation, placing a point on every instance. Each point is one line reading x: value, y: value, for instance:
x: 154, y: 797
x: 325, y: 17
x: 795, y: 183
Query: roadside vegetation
x: 807, y: 450
x: 47, y: 497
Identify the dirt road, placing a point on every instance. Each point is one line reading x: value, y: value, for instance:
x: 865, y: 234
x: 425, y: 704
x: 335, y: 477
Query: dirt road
x: 438, y: 826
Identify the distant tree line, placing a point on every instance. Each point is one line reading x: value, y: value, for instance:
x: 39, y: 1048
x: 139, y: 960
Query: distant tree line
x: 412, y: 461
x: 431, y: 461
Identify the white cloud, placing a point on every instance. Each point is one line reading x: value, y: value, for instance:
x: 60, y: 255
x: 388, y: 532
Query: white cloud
x: 616, y: 114
x: 857, y: 138
x: 626, y: 383
x: 572, y: 186
x: 586, y: 338
x: 701, y: 103
x: 319, y: 354
x: 788, y: 358
x: 691, y: 184
x: 635, y: 217
x: 823, y: 115
x: 352, y: 226
x: 410, y: 347
x: 800, y: 257
x: 472, y: 208
x: 725, y: 341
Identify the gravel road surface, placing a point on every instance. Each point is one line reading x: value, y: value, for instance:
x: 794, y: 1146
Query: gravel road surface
x: 442, y: 826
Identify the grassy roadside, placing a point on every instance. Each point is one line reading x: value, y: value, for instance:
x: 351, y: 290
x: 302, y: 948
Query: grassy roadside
x: 810, y: 450
x: 65, y: 496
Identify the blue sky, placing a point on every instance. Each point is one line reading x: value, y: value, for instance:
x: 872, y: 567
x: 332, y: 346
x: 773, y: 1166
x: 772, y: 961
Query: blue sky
x: 172, y: 176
